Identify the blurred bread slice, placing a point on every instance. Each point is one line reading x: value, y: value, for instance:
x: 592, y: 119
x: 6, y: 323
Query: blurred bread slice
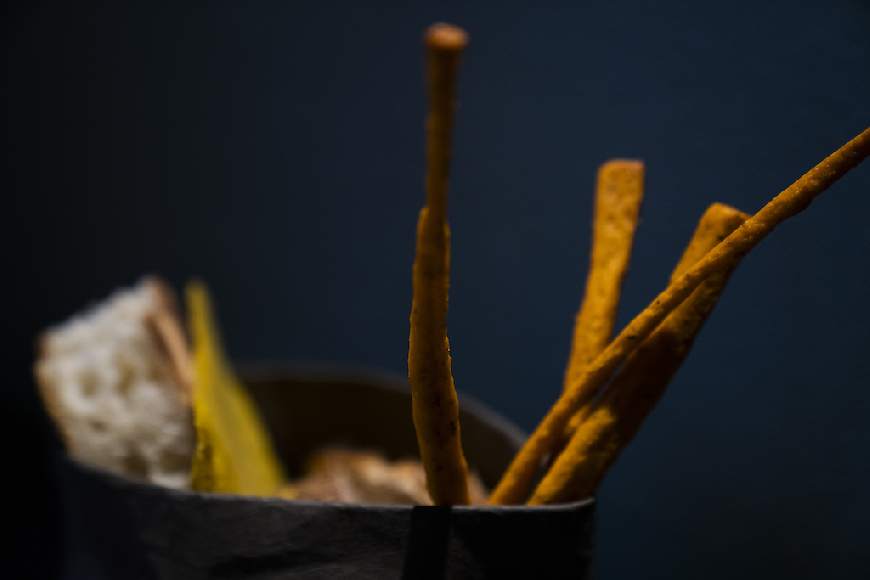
x: 116, y: 381
x: 346, y: 475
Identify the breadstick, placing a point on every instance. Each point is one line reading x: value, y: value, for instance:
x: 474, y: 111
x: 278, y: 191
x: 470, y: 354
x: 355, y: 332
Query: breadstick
x: 637, y: 387
x: 434, y: 403
x: 516, y: 481
x: 619, y: 192
x: 618, y: 196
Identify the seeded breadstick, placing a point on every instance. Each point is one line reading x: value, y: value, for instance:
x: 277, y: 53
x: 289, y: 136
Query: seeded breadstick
x: 618, y: 196
x: 637, y: 387
x: 516, y: 482
x: 434, y: 404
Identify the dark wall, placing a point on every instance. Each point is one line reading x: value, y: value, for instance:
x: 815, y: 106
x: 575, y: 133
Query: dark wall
x: 275, y: 149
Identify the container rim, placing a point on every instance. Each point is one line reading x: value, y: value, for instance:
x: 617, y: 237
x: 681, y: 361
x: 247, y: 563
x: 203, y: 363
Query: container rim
x: 281, y: 370
x: 129, y: 481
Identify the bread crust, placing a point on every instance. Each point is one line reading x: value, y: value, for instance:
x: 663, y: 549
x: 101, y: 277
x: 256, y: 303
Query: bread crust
x: 115, y: 382
x: 164, y: 324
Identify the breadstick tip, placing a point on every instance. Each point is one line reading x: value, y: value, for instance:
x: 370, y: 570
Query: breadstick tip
x: 616, y: 170
x: 721, y: 210
x: 636, y: 164
x: 443, y: 36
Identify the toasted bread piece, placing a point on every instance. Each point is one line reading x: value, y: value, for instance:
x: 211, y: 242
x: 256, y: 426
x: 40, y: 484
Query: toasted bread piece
x: 116, y: 381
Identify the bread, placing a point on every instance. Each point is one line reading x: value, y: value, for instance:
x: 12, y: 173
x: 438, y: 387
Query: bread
x: 367, y: 477
x: 116, y: 381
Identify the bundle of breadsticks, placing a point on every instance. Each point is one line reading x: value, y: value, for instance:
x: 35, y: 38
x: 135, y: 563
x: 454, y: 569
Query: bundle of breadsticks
x: 611, y: 383
x: 131, y: 396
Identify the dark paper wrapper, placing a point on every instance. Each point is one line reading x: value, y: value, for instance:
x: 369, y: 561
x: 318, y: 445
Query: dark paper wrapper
x: 124, y: 529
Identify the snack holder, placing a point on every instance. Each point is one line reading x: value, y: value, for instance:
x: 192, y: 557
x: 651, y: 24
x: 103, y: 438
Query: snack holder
x: 120, y: 528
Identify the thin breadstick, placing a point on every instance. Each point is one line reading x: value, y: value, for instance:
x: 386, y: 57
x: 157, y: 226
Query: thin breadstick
x: 638, y: 386
x: 516, y: 481
x: 619, y: 192
x: 434, y: 403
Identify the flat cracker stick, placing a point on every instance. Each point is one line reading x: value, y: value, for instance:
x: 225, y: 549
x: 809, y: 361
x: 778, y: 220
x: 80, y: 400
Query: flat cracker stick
x: 619, y: 192
x: 517, y: 480
x: 618, y: 196
x: 638, y: 386
x: 434, y: 403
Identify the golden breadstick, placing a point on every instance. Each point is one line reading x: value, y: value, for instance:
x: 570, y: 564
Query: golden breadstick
x: 637, y: 387
x: 434, y: 404
x: 516, y: 481
x: 619, y: 192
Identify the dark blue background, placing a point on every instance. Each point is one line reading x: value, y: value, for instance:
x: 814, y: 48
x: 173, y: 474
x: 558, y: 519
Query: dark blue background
x: 276, y: 150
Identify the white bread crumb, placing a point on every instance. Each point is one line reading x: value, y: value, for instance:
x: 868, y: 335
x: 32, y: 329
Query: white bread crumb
x: 113, y: 392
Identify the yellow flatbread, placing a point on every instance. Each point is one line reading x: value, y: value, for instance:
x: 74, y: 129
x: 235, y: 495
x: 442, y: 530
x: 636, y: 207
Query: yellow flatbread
x: 234, y: 453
